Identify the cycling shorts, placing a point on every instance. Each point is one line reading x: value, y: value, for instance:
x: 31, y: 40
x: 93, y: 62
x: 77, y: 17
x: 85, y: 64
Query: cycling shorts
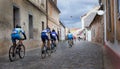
x: 15, y: 37
x: 44, y: 37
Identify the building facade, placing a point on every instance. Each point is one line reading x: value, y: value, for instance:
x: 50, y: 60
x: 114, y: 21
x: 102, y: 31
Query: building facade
x: 94, y: 26
x: 53, y: 15
x: 62, y: 31
x: 30, y: 14
x: 112, y: 30
x: 97, y: 29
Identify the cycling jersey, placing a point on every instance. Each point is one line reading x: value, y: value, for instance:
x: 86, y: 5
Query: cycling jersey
x: 17, y: 31
x: 17, y: 34
x: 70, y: 36
x: 45, y: 35
x: 53, y: 35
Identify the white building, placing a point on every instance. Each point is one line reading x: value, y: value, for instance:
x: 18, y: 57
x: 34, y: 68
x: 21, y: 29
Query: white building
x: 62, y: 31
x: 87, y: 20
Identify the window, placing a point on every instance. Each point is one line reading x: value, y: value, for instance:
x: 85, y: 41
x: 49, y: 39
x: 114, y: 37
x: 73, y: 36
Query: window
x: 43, y: 2
x: 118, y: 1
x: 30, y: 26
x: 109, y: 16
x: 42, y: 25
x: 16, y: 16
x: 118, y: 23
x: 118, y: 7
x: 100, y: 2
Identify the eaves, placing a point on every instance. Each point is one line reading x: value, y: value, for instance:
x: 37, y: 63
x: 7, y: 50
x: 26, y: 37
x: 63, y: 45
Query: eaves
x: 37, y: 7
x: 54, y: 5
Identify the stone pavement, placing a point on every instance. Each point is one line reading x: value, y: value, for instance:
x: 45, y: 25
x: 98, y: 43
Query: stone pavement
x: 83, y: 55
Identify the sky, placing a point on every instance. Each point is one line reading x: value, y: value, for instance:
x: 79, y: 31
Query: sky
x: 72, y: 10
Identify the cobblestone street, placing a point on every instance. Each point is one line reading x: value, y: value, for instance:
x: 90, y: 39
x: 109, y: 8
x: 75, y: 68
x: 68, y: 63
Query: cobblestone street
x: 83, y: 55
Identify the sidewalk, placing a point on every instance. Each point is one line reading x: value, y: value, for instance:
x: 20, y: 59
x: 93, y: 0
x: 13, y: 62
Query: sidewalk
x: 107, y: 61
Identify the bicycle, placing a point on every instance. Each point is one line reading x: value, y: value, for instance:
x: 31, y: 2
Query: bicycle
x: 18, y: 49
x: 70, y: 42
x: 53, y: 46
x: 45, y: 50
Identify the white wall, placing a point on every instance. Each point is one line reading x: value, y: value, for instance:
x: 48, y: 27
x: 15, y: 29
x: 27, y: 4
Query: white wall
x: 62, y: 34
x: 83, y: 24
x: 89, y: 35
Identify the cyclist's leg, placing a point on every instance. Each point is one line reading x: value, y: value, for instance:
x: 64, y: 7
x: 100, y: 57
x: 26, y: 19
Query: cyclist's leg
x: 14, y: 42
x: 72, y: 41
x: 43, y: 41
x: 13, y: 38
x: 68, y: 41
x: 48, y: 42
x: 20, y: 41
x: 54, y: 40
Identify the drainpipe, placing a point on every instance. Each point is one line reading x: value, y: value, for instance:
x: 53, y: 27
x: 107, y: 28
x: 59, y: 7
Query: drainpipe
x: 47, y: 13
x: 105, y: 30
x: 115, y: 21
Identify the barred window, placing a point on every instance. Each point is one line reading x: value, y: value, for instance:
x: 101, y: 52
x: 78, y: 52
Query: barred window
x: 118, y: 1
x: 109, y: 15
x: 43, y: 2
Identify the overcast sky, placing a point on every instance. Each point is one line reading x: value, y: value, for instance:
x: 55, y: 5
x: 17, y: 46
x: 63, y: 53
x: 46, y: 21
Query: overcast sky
x: 72, y: 10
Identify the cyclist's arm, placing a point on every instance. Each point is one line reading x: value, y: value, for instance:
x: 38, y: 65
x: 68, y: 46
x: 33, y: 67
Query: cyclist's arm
x: 72, y: 36
x: 24, y: 36
x: 23, y: 32
x: 57, y: 36
x: 50, y: 35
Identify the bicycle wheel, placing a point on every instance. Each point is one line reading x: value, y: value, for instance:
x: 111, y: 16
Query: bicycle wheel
x: 12, y: 54
x: 49, y: 51
x: 70, y: 45
x: 54, y: 48
x: 21, y: 49
x: 43, y: 52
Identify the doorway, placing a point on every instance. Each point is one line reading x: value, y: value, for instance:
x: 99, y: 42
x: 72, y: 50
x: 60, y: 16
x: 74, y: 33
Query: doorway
x: 30, y: 26
x: 16, y: 16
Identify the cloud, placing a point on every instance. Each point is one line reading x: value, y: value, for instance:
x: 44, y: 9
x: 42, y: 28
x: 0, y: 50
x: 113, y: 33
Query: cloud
x: 72, y: 10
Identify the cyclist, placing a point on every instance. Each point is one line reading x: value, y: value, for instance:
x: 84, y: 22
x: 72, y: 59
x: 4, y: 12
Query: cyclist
x: 17, y: 34
x: 45, y: 35
x: 70, y: 37
x: 54, y: 36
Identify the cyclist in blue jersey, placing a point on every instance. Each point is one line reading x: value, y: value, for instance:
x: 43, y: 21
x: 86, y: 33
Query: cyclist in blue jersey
x: 70, y: 37
x: 17, y: 34
x: 54, y: 36
x: 45, y: 35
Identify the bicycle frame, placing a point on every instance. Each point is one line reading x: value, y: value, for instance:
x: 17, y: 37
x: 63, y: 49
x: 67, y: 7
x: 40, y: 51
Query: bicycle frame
x: 19, y: 42
x: 70, y: 42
